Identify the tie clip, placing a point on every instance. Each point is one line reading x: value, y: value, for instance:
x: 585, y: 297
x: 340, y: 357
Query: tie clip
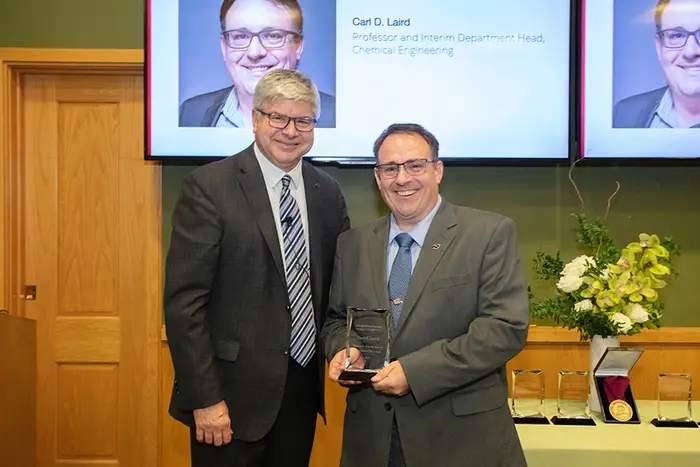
x: 397, y: 301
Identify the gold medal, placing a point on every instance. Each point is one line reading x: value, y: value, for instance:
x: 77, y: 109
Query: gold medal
x: 620, y: 410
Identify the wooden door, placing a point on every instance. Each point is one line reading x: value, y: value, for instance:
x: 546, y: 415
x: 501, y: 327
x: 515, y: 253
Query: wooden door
x: 91, y: 233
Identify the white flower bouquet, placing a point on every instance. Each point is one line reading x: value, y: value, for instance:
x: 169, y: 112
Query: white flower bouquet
x: 610, y: 292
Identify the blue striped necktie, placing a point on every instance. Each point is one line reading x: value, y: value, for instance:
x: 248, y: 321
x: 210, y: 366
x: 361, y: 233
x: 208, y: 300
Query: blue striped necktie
x: 296, y: 260
x: 400, y: 276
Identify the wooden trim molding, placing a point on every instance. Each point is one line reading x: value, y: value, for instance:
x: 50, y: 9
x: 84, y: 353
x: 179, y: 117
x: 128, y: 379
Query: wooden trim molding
x: 14, y: 62
x: 556, y: 335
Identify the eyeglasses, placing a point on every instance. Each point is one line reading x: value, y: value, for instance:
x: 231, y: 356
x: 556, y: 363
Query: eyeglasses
x: 677, y: 38
x: 280, y: 121
x: 269, y: 38
x: 412, y: 167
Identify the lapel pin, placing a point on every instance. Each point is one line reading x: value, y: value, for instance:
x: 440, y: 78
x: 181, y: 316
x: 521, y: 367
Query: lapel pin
x: 436, y: 246
x: 317, y: 185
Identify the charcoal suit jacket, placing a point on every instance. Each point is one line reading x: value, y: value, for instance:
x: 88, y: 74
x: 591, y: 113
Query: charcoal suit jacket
x: 226, y: 303
x: 464, y: 316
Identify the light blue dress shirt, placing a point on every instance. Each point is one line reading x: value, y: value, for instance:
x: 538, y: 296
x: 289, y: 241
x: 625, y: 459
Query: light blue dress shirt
x: 418, y: 233
x: 230, y: 115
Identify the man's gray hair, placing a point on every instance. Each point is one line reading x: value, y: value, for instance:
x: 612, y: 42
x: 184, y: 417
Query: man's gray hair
x: 286, y: 85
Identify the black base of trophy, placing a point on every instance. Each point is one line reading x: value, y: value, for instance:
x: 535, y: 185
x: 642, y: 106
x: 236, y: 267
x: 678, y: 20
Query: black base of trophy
x: 531, y: 420
x: 673, y: 424
x: 573, y: 421
x: 356, y: 375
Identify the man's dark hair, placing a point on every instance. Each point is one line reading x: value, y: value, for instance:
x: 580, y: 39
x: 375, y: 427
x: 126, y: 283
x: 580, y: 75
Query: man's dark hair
x: 411, y: 129
x: 291, y: 5
x: 660, y: 7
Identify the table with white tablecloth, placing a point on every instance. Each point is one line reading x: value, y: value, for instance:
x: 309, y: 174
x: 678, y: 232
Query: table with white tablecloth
x: 612, y: 445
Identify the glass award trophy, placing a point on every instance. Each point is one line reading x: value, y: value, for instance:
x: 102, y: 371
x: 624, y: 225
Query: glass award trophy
x: 527, y: 401
x: 674, y: 403
x: 572, y: 399
x: 368, y: 330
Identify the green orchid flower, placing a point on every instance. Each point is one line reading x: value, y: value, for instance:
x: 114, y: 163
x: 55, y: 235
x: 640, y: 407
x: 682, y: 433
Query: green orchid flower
x: 648, y: 257
x: 656, y: 283
x: 659, y: 269
x: 625, y: 263
x: 652, y: 243
x: 607, y: 299
x: 648, y: 241
x: 648, y: 291
x: 634, y: 247
x: 595, y: 286
x: 623, y: 284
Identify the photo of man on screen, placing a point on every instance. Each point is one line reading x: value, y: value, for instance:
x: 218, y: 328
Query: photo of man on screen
x: 676, y: 105
x: 256, y: 36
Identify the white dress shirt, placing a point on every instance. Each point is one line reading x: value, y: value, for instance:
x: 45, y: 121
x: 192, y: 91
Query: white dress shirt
x: 273, y: 183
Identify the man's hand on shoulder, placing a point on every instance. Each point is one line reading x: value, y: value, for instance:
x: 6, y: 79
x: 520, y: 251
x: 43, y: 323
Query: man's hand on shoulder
x: 213, y: 425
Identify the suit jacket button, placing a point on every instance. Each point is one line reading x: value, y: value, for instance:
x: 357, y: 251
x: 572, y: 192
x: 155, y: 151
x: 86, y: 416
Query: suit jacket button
x: 285, y: 351
x: 287, y: 308
x: 387, y: 406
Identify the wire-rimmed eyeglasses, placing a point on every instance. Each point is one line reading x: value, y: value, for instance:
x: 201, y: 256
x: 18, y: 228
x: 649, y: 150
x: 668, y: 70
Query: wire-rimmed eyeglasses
x: 412, y: 167
x: 280, y: 121
x: 676, y: 38
x: 269, y: 38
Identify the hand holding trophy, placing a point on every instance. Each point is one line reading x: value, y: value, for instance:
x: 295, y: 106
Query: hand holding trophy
x: 369, y: 331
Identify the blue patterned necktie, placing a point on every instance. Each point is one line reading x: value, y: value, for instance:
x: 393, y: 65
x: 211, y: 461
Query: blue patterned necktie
x: 400, y: 276
x: 303, y: 339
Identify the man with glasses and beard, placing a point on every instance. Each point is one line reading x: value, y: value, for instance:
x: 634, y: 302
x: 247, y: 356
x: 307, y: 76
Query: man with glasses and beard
x: 246, y: 288
x: 453, y: 281
x: 676, y: 105
x: 256, y: 36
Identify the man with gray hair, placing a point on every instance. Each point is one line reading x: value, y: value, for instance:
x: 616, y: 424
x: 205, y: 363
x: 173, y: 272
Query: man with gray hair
x: 246, y: 288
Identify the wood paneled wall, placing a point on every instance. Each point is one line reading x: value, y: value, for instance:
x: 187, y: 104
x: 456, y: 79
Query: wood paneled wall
x: 548, y: 349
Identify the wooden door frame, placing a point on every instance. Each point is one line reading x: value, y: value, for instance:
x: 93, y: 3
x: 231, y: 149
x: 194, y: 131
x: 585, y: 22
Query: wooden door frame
x: 15, y: 62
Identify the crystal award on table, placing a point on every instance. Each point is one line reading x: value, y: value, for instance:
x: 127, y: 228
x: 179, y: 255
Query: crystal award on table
x: 674, y: 403
x: 527, y: 401
x: 368, y: 330
x: 572, y: 399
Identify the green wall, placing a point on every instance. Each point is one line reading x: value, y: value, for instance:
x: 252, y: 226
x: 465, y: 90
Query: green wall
x: 540, y: 200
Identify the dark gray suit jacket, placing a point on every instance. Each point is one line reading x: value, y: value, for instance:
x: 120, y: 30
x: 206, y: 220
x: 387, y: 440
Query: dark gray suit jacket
x: 465, y: 315
x: 204, y: 109
x: 637, y: 111
x: 226, y: 303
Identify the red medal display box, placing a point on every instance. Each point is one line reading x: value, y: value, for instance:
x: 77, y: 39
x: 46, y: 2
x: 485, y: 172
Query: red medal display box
x: 614, y: 386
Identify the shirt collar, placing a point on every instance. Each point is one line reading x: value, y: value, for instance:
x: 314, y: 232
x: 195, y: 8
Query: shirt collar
x: 420, y: 230
x: 231, y: 111
x: 273, y: 174
x: 666, y: 111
